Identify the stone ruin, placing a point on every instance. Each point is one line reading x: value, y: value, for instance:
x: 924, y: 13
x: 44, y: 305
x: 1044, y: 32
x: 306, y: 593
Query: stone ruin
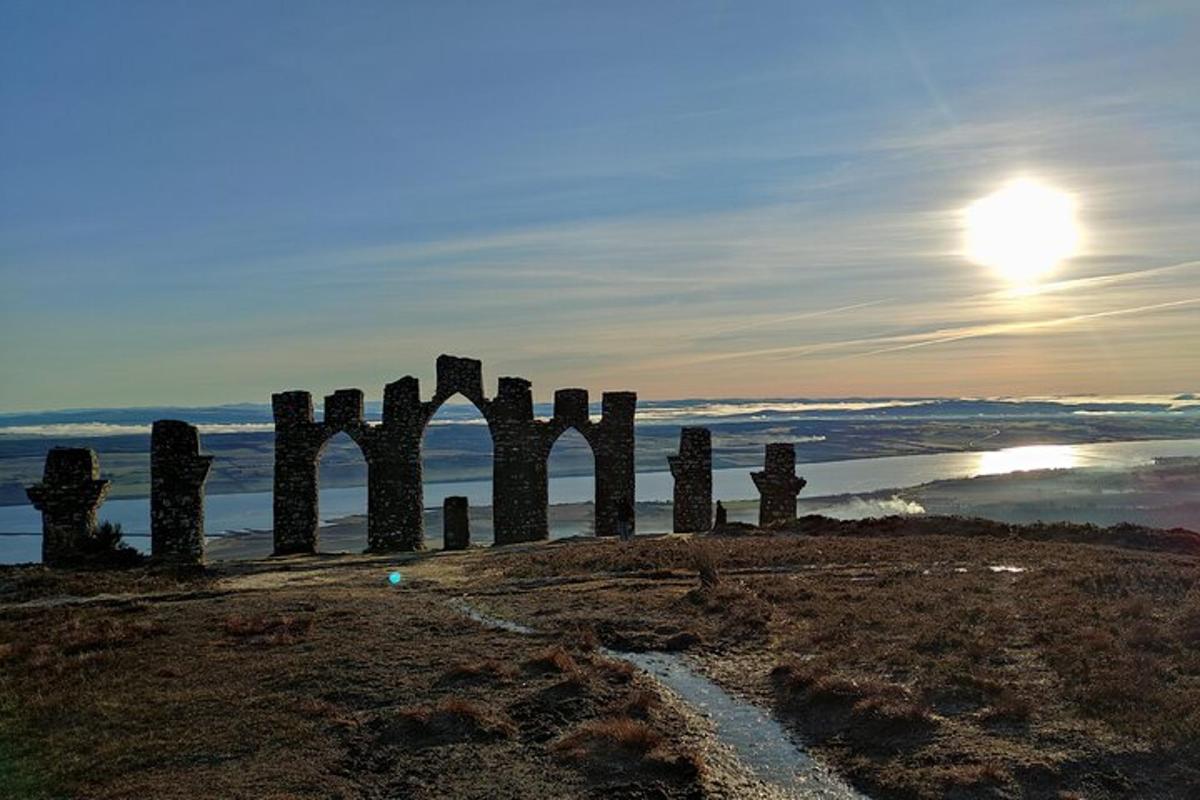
x: 456, y: 523
x: 70, y: 493
x: 692, y: 471
x: 177, y: 476
x: 71, y: 489
x: 778, y: 485
x: 392, y: 449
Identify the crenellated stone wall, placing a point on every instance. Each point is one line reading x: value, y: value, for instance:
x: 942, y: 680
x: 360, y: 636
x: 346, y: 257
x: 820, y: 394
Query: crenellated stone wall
x: 778, y: 485
x: 177, y: 476
x: 692, y: 471
x: 520, y: 444
x: 68, y: 496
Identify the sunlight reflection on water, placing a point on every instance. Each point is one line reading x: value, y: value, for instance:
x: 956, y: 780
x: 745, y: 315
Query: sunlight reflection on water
x: 1024, y: 459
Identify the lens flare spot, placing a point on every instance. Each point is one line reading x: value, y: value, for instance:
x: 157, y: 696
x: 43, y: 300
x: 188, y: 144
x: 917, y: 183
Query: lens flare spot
x: 395, y: 578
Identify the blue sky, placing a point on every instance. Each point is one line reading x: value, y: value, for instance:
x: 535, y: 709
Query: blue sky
x: 208, y: 202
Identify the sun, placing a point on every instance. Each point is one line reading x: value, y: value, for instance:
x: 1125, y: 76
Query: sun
x: 1022, y: 231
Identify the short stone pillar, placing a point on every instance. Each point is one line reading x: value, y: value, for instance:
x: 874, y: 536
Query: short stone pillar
x: 692, y: 471
x: 778, y: 485
x: 68, y: 496
x: 177, y: 476
x: 456, y: 523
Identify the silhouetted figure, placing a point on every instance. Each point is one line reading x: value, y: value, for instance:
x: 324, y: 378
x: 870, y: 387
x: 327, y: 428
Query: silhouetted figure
x: 625, y: 521
x: 722, y: 516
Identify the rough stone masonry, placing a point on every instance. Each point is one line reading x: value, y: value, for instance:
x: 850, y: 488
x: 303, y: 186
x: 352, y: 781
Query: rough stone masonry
x: 778, y: 485
x: 70, y: 493
x: 392, y: 449
x: 177, y: 476
x: 456, y: 523
x: 692, y: 471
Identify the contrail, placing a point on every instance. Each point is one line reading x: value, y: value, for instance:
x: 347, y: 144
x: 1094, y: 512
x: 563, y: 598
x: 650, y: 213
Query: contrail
x: 793, y: 317
x: 1014, y: 327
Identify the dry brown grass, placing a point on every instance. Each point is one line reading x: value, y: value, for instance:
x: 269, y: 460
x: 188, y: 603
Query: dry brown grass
x: 267, y: 629
x: 630, y: 737
x: 485, y: 670
x: 904, y: 650
x: 555, y: 658
x: 451, y: 719
x: 636, y: 704
x: 622, y: 744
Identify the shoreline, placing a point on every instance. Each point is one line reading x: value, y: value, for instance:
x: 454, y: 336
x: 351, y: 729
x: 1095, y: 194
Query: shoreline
x: 1058, y: 439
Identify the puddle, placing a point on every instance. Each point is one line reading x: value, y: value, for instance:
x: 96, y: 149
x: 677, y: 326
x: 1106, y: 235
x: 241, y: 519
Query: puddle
x: 1005, y: 568
x: 758, y: 740
x: 491, y: 622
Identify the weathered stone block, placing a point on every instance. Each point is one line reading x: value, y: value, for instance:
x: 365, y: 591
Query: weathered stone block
x: 456, y: 523
x: 778, y: 485
x: 344, y: 408
x: 463, y: 375
x: 612, y: 441
x: 692, y: 470
x: 68, y: 496
x: 292, y: 408
x: 619, y: 406
x: 401, y: 401
x: 571, y: 406
x: 177, y: 476
x: 514, y: 399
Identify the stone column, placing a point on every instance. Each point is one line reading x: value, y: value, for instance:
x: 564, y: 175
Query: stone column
x: 398, y: 497
x: 68, y: 496
x: 177, y: 476
x: 456, y: 523
x: 692, y: 471
x: 613, y: 446
x: 297, y: 446
x: 520, y: 490
x: 778, y: 485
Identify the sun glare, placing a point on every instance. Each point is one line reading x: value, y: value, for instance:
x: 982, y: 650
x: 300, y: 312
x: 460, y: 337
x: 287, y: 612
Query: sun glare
x: 1024, y: 459
x: 1022, y: 231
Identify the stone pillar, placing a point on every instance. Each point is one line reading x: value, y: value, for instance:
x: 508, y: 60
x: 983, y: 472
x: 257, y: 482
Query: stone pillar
x: 297, y: 447
x: 778, y: 485
x: 177, y: 476
x: 397, y: 499
x: 456, y: 523
x: 692, y: 471
x: 68, y: 496
x: 722, y: 517
x: 520, y: 488
x: 613, y: 446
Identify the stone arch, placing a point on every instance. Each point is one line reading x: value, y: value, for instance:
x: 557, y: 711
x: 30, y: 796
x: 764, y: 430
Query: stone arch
x: 571, y: 432
x: 466, y: 437
x: 392, y: 449
x: 612, y: 442
x: 299, y: 442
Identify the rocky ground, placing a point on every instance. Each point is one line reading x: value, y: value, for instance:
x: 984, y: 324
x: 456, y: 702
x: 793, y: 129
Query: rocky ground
x: 919, y: 657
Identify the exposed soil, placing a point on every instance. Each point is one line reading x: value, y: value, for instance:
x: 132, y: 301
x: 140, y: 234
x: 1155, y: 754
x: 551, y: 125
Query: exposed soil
x: 904, y: 659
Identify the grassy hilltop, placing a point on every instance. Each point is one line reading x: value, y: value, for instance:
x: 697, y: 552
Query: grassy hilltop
x: 920, y: 657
